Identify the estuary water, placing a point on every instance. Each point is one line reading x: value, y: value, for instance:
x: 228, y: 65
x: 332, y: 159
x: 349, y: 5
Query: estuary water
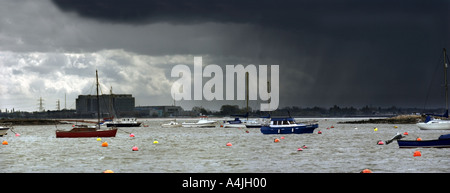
x: 346, y: 148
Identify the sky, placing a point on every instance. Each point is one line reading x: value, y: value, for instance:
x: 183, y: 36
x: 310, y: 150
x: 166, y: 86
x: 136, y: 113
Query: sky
x: 346, y: 53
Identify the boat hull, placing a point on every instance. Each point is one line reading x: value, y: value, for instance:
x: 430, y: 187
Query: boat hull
x: 227, y: 125
x: 123, y: 124
x: 438, y: 143
x: 80, y: 134
x: 199, y: 125
x: 298, y: 129
x: 434, y: 125
x: 3, y: 130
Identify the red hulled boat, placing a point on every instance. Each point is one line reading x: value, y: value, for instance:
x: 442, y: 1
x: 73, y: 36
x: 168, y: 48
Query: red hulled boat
x: 88, y: 131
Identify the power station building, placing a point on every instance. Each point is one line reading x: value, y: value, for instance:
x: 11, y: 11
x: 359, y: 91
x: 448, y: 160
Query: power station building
x: 110, y: 105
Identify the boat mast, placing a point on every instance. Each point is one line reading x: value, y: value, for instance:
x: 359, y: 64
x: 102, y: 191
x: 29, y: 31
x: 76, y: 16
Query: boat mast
x: 98, y: 101
x: 246, y: 93
x: 445, y: 75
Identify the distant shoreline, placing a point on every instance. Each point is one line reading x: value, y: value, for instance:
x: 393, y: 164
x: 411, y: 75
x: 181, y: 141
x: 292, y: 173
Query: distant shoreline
x: 401, y: 119
x: 31, y: 121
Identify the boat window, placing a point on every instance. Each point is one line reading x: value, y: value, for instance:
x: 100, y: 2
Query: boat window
x: 285, y: 123
x: 291, y: 122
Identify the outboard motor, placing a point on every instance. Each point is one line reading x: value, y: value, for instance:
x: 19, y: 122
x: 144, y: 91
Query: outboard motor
x: 397, y: 136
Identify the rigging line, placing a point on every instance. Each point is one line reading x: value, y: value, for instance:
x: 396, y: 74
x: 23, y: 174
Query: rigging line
x: 439, y: 63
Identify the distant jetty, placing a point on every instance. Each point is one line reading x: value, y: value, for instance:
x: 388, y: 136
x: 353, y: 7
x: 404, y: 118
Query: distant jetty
x: 400, y: 119
x: 31, y: 121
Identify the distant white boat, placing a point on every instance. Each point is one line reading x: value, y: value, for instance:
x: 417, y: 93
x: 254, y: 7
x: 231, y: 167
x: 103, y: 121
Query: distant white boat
x: 203, y: 122
x: 435, y: 124
x: 438, y: 124
x: 171, y: 124
x: 124, y: 122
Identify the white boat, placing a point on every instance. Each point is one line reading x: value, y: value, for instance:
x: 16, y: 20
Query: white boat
x: 124, y: 122
x: 435, y: 124
x: 171, y: 124
x: 3, y: 130
x: 438, y: 124
x: 203, y: 122
x: 253, y: 123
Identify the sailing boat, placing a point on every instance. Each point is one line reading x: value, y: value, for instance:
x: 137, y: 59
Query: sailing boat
x: 88, y: 131
x: 246, y: 123
x: 438, y: 124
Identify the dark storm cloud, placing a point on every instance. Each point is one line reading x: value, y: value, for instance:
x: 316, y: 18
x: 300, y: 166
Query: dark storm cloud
x: 330, y: 52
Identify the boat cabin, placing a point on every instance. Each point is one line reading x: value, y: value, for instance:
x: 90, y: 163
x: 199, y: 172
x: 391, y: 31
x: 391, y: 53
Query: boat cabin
x: 282, y: 121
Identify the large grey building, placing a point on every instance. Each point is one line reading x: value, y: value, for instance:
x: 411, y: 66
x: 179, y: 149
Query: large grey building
x: 116, y: 104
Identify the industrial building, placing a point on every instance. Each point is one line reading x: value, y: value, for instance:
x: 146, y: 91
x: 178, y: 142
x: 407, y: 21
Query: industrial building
x: 110, y: 105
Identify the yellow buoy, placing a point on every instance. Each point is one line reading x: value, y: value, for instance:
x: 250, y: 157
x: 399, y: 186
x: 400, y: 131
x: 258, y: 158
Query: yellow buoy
x: 99, y: 139
x: 395, y: 127
x: 155, y: 142
x: 108, y: 171
x: 376, y: 129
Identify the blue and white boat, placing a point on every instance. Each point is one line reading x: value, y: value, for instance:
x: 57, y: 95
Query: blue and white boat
x: 236, y: 123
x: 287, y: 126
x: 438, y: 124
x: 442, y: 142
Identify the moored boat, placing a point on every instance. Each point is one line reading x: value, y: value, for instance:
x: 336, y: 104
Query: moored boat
x: 124, y: 122
x: 203, y: 122
x: 442, y: 142
x: 236, y: 123
x: 88, y: 131
x: 3, y: 130
x: 438, y: 124
x: 287, y: 126
x: 171, y: 124
x: 434, y: 124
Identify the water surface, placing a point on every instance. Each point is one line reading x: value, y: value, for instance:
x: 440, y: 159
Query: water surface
x: 344, y: 148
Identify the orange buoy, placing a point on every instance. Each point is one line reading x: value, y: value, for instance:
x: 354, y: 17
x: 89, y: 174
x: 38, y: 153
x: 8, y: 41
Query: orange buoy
x: 276, y: 140
x: 405, y: 133
x: 135, y: 148
x: 108, y: 171
x: 417, y: 154
x: 105, y: 144
x: 366, y: 171
x: 5, y: 143
x: 419, y: 139
x: 229, y: 144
